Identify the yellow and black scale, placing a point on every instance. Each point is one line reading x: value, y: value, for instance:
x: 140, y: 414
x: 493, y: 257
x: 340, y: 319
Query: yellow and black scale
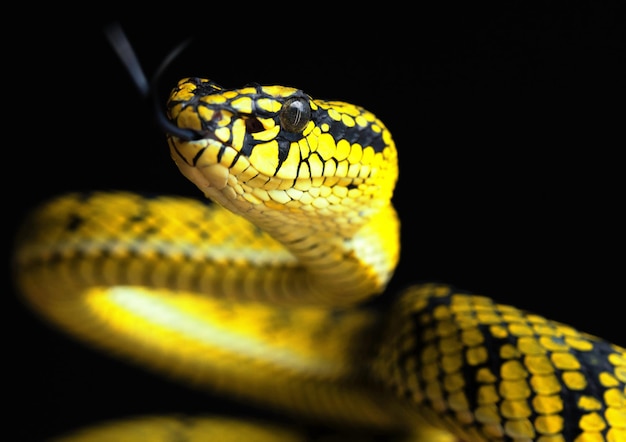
x: 262, y: 294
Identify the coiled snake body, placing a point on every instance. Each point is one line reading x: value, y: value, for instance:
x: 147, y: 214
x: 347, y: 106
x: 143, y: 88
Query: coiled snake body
x: 261, y: 293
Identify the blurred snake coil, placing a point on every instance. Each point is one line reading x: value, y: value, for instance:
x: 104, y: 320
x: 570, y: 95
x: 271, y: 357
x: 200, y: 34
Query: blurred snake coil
x: 260, y: 292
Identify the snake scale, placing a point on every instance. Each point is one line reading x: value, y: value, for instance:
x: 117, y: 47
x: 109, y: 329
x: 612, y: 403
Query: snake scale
x: 261, y: 291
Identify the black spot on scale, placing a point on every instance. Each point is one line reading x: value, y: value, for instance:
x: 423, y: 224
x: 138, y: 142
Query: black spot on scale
x: 338, y: 130
x: 363, y: 136
x: 596, y: 361
x: 74, y: 223
x: 374, y: 139
x: 283, y: 151
x: 204, y: 88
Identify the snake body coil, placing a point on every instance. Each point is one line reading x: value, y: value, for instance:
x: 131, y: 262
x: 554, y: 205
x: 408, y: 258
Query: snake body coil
x: 259, y: 294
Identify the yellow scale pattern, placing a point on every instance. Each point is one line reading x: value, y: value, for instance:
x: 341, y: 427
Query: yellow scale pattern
x: 493, y: 372
x: 303, y: 230
x: 81, y: 234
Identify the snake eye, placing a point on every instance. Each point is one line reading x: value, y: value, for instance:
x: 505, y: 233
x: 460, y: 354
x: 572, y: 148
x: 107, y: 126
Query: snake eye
x: 295, y: 114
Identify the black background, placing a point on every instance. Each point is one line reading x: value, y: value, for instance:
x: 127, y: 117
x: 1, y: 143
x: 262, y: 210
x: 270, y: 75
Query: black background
x: 509, y: 124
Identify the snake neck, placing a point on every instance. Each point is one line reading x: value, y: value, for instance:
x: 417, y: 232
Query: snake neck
x: 346, y: 263
x: 347, y: 252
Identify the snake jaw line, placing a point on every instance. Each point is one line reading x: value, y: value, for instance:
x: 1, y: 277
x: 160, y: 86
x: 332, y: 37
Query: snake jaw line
x: 192, y: 174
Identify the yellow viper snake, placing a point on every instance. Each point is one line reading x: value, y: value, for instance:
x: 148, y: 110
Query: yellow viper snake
x: 264, y: 292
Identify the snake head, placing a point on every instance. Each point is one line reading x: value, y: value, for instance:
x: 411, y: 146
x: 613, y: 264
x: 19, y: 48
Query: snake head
x: 254, y: 125
x: 263, y: 148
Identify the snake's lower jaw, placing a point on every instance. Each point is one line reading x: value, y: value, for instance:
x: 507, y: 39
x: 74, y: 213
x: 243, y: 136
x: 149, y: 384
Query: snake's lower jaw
x: 215, y: 175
